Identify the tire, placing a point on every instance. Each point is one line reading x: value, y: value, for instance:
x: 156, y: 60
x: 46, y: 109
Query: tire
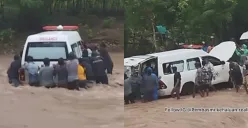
x: 187, y: 88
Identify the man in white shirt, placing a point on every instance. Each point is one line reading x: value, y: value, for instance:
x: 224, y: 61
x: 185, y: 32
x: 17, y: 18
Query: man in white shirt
x: 210, y: 68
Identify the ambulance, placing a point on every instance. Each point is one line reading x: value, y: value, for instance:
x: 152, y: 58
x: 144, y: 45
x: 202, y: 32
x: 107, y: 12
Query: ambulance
x: 54, y: 43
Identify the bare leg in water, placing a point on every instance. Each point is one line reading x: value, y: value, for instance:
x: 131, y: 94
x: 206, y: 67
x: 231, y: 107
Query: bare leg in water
x: 177, y: 91
x: 197, y: 89
x: 245, y: 85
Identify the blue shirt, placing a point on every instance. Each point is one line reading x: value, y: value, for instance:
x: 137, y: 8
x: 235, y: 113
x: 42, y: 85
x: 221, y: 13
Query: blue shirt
x: 205, y: 48
x: 32, y: 68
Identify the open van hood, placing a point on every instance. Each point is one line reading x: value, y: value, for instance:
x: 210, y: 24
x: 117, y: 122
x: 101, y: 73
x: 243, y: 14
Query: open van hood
x: 244, y: 36
x: 224, y: 51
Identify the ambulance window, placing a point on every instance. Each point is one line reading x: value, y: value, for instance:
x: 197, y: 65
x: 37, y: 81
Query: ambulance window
x: 191, y: 63
x: 212, y: 60
x: 167, y: 67
x: 51, y: 50
x: 75, y: 49
x: 79, y: 43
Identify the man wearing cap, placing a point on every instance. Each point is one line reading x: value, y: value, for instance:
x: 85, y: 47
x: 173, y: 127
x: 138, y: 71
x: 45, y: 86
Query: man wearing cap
x: 98, y: 69
x: 135, y: 81
x: 106, y: 58
x: 206, y: 47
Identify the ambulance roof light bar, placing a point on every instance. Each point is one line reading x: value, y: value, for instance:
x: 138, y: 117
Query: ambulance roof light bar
x: 60, y: 28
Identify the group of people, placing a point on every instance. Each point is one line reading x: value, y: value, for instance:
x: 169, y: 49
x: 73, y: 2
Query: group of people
x: 73, y: 73
x: 141, y: 87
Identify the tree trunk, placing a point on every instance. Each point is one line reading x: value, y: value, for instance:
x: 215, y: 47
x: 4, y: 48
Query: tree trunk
x: 104, y: 5
x: 154, y: 32
x: 2, y: 10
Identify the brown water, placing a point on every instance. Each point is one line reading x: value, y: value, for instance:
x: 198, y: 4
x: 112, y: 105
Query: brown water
x: 152, y: 115
x: 30, y: 107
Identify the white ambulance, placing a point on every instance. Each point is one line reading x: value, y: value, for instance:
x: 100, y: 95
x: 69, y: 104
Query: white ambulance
x: 184, y: 60
x: 54, y: 43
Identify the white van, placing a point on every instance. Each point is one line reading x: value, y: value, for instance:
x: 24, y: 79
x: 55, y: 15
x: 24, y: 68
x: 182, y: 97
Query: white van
x: 184, y: 60
x: 55, y: 43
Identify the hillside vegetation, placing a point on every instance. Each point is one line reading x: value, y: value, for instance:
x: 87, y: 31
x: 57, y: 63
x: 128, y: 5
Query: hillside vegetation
x: 98, y: 20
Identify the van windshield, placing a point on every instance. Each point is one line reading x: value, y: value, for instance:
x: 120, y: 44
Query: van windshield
x: 51, y: 50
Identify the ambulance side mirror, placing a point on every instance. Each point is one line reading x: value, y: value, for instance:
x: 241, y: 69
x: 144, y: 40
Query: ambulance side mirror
x: 222, y: 62
x: 159, y: 77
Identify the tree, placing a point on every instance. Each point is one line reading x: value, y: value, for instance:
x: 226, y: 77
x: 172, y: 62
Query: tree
x: 188, y: 21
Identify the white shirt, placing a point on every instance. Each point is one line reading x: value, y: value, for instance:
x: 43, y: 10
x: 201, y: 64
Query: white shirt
x: 89, y: 52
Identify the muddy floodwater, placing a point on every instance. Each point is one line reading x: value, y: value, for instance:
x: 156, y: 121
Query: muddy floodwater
x: 30, y: 107
x: 152, y: 115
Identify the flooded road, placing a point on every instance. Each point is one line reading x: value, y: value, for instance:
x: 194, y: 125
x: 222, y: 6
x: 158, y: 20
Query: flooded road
x: 30, y: 107
x: 152, y: 115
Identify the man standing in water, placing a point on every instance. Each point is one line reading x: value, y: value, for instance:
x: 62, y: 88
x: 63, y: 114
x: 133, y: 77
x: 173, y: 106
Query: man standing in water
x: 46, y: 74
x: 72, y: 68
x: 13, y: 71
x: 135, y: 81
x: 32, y: 70
x: 99, y: 69
x: 209, y: 66
x: 106, y: 58
x: 128, y: 94
x: 149, y: 83
x: 245, y: 72
x: 177, y: 83
x: 61, y: 73
x: 197, y: 85
x: 235, y: 75
x: 205, y: 79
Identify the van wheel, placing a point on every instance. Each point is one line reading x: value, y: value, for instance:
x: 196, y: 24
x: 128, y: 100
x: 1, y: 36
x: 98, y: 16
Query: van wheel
x: 187, y: 88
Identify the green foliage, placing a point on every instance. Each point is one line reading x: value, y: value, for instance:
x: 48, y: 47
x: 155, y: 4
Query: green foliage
x: 89, y: 31
x: 25, y: 15
x: 107, y: 23
x: 187, y: 21
x: 6, y: 35
x: 32, y: 3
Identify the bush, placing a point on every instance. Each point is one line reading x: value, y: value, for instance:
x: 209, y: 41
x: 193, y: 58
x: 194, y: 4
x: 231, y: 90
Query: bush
x: 107, y: 23
x: 89, y: 31
x: 6, y: 35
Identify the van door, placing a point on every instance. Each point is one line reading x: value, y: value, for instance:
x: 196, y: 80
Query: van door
x: 153, y: 61
x: 167, y: 74
x: 189, y: 73
x: 221, y: 71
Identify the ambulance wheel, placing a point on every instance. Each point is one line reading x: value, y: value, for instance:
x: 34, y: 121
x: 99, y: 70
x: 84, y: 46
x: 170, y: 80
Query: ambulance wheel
x: 187, y: 88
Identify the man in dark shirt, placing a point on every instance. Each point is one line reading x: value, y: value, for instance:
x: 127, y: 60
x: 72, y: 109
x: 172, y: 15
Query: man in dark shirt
x: 61, y: 73
x: 106, y: 58
x: 46, y: 74
x: 235, y: 75
x: 99, y: 69
x: 88, y: 65
x: 177, y: 83
x: 13, y: 71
